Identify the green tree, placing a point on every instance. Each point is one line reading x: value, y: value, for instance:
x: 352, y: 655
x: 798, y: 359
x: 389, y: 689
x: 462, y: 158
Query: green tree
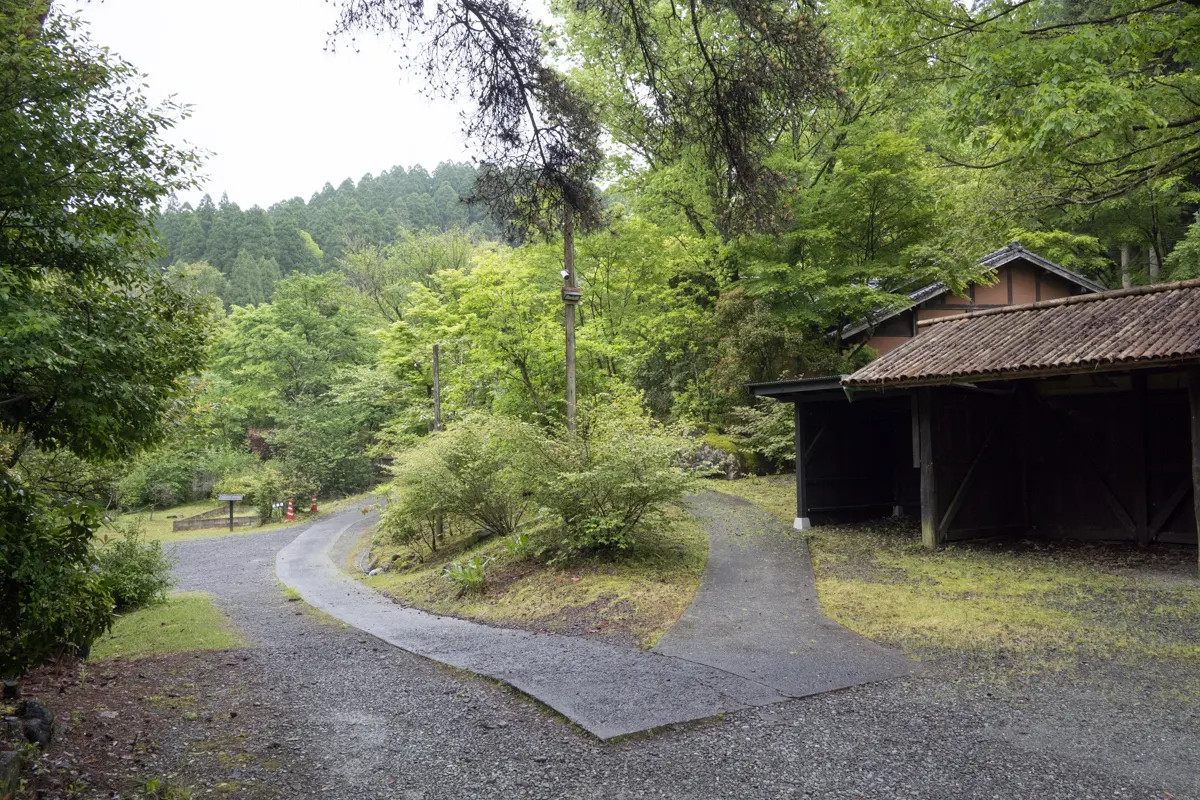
x: 93, y: 344
x: 252, y: 279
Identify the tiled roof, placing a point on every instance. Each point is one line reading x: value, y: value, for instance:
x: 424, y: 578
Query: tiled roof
x: 989, y: 263
x: 1143, y: 326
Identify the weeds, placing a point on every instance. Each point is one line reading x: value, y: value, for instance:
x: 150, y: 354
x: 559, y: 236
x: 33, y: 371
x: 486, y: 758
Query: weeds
x: 471, y: 575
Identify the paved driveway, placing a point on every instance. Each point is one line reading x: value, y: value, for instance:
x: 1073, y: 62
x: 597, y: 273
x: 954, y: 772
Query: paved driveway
x: 754, y: 636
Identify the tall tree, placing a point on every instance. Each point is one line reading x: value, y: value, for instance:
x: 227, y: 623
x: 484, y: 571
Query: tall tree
x: 93, y: 342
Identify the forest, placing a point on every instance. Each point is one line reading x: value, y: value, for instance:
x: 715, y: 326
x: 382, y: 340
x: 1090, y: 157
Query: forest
x: 738, y: 181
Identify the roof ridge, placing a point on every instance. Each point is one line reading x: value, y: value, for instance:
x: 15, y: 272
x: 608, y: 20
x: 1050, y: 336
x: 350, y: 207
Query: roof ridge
x: 1094, y: 297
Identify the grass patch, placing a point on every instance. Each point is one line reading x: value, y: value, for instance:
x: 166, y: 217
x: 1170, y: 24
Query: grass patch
x: 188, y: 621
x: 157, y: 523
x: 633, y: 598
x: 320, y: 616
x: 1052, y: 603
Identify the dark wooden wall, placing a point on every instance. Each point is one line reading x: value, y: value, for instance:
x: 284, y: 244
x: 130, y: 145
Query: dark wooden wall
x: 859, y: 462
x: 1108, y: 464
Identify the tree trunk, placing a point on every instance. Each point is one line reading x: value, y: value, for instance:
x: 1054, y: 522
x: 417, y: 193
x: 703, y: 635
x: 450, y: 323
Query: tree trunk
x: 1126, y: 278
x: 569, y: 313
x: 1152, y: 259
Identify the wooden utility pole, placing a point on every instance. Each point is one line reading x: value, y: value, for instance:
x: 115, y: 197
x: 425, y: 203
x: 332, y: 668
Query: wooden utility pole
x: 570, y: 296
x: 437, y: 391
x: 438, y: 523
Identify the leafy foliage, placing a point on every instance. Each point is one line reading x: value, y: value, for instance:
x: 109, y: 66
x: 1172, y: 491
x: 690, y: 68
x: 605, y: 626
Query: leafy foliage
x: 51, y: 596
x: 469, y: 575
x: 134, y: 571
x: 610, y: 481
x: 768, y: 427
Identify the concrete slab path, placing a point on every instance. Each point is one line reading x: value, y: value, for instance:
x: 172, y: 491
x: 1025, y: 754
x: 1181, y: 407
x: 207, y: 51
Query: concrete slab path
x: 612, y: 691
x: 756, y: 612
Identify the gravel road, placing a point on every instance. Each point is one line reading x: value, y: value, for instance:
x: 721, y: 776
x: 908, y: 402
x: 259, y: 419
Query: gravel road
x: 355, y: 718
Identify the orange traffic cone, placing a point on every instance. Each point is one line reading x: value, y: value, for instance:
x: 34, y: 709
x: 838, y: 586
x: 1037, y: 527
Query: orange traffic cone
x: 291, y: 514
x: 314, y: 507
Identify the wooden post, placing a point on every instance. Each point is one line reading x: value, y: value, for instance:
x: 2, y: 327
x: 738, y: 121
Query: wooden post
x: 931, y: 535
x: 231, y: 515
x: 437, y: 390
x: 1141, y: 501
x: 438, y: 523
x: 802, y: 522
x: 569, y: 312
x: 1193, y: 376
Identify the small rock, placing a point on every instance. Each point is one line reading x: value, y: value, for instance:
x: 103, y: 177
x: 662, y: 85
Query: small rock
x: 109, y: 714
x: 39, y: 732
x: 14, y: 731
x: 33, y: 709
x: 374, y: 572
x: 10, y: 773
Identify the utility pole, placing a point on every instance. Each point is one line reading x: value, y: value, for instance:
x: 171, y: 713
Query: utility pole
x: 438, y: 523
x: 437, y: 391
x: 570, y: 296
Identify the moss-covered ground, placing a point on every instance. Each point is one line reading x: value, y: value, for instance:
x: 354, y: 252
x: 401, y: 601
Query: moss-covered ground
x: 632, y: 597
x: 188, y: 621
x: 1036, y: 605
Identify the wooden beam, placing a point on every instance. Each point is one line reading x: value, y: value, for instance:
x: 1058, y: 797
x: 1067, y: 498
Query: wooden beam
x: 808, y: 451
x: 1170, y: 507
x: 1193, y: 376
x: 961, y: 493
x: 930, y: 535
x: 802, y: 522
x: 916, y: 431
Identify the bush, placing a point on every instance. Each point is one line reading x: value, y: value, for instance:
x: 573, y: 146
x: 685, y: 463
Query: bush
x: 172, y: 475
x: 135, y: 572
x: 611, y: 480
x: 464, y: 474
x: 768, y: 428
x: 51, y: 597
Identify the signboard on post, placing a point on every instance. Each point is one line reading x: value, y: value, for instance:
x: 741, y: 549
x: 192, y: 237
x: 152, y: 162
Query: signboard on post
x: 231, y: 499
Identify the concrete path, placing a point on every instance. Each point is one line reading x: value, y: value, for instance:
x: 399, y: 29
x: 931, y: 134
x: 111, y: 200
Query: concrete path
x: 756, y: 612
x: 612, y: 691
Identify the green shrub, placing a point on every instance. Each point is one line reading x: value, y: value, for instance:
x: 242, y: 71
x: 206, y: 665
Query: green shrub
x: 51, y: 596
x: 464, y: 474
x: 264, y: 485
x: 172, y: 475
x: 768, y: 428
x: 136, y: 572
x: 517, y: 545
x: 413, y: 522
x: 608, y: 482
x: 471, y: 575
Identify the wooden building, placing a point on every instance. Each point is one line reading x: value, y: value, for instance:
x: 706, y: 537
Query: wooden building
x: 1015, y: 276
x: 1075, y: 417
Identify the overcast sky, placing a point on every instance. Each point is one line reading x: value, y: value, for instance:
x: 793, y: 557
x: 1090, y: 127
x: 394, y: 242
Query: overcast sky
x: 280, y: 115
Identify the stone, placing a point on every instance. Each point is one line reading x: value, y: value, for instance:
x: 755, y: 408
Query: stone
x: 374, y: 572
x: 38, y: 732
x: 38, y: 722
x: 10, y: 774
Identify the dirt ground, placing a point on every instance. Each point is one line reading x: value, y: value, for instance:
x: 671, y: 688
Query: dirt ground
x: 131, y: 729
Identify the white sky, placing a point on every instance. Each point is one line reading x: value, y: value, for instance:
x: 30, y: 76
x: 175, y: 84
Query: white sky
x: 280, y: 115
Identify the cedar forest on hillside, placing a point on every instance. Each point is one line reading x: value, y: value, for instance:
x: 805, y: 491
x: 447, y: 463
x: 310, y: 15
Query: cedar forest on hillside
x: 743, y: 178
